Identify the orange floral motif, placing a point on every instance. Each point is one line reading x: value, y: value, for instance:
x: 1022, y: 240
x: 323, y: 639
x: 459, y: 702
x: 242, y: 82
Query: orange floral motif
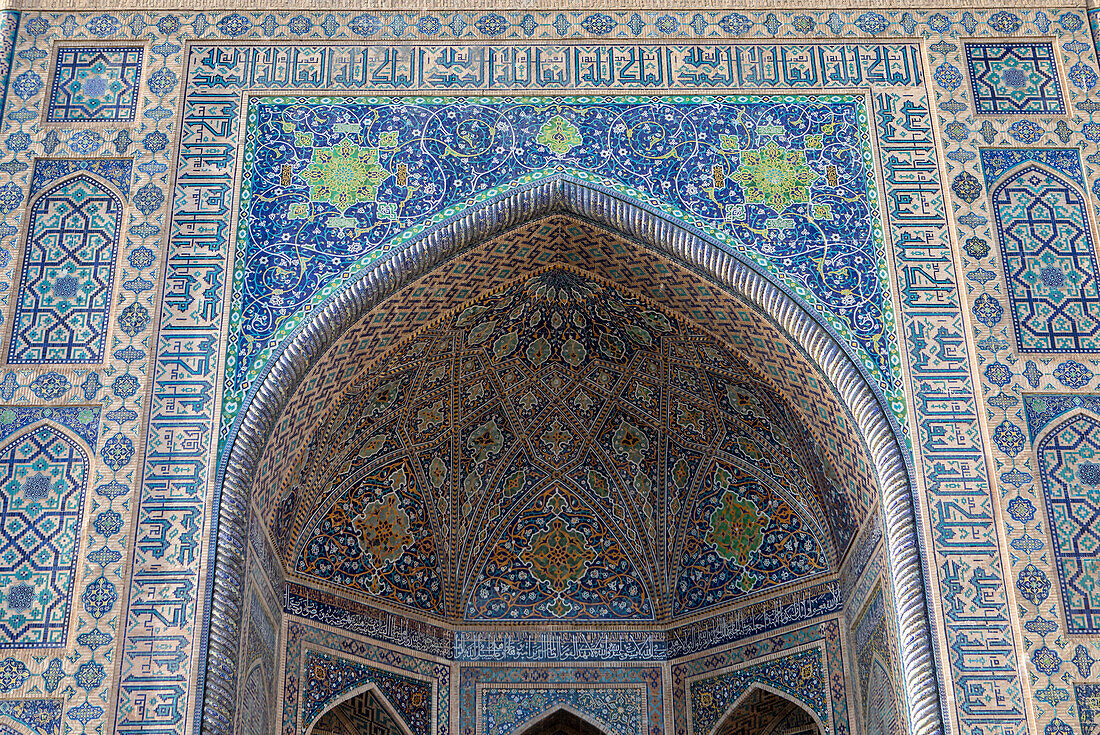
x: 383, y: 530
x: 558, y: 556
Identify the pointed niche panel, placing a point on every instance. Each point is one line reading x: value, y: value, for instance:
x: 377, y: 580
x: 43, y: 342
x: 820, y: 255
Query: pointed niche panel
x: 375, y: 538
x: 742, y: 537
x: 557, y: 559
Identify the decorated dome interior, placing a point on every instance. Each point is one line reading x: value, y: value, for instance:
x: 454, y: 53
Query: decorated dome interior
x: 561, y: 450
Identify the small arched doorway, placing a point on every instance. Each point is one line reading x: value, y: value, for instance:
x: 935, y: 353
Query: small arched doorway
x: 365, y: 713
x: 765, y: 712
x: 560, y: 722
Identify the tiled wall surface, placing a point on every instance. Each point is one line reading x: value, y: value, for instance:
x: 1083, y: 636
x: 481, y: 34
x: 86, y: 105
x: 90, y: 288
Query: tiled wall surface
x: 175, y: 199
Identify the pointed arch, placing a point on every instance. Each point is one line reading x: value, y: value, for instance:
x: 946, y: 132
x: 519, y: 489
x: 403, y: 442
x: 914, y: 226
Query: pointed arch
x: 371, y: 691
x: 641, y: 224
x: 761, y: 691
x: 561, y: 718
x: 67, y: 273
x: 1049, y: 260
x: 624, y: 589
x: 881, y: 694
x: 44, y: 473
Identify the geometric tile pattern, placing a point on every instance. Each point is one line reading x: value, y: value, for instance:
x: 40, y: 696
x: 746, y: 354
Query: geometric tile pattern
x: 43, y: 475
x: 801, y: 675
x: 618, y: 700
x: 557, y: 239
x: 95, y: 84
x: 363, y: 714
x: 765, y: 712
x: 617, y: 711
x: 1049, y: 260
x: 558, y: 392
x: 1014, y: 78
x: 67, y: 276
x: 1069, y: 465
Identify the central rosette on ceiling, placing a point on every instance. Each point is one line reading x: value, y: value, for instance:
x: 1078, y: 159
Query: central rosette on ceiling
x: 559, y: 450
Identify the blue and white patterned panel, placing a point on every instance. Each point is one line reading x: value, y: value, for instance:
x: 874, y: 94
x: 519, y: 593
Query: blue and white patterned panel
x: 43, y: 475
x: 1014, y: 79
x: 95, y: 84
x: 68, y: 275
x: 1069, y: 465
x: 1047, y: 249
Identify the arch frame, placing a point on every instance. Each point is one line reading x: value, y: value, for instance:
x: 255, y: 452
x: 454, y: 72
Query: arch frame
x: 80, y: 549
x: 531, y: 723
x: 1044, y: 436
x: 637, y: 221
x: 758, y: 686
x: 1004, y: 181
x: 351, y: 694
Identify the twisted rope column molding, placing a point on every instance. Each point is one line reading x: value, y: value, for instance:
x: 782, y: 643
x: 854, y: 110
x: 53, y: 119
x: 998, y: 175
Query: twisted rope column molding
x: 565, y: 195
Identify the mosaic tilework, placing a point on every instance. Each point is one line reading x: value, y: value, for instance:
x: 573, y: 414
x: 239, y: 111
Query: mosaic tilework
x: 363, y: 714
x: 1043, y: 409
x: 616, y: 711
x: 1047, y: 249
x: 1069, y: 465
x: 9, y: 27
x: 351, y: 663
x: 784, y: 181
x: 800, y: 675
x: 42, y: 716
x: 43, y: 476
x: 560, y: 375
x: 974, y: 599
x: 563, y: 240
x: 621, y: 699
x: 1087, y: 698
x: 256, y: 26
x: 875, y: 663
x: 1014, y: 79
x: 329, y: 677
x: 727, y: 674
x: 762, y: 711
x: 95, y: 84
x: 67, y: 278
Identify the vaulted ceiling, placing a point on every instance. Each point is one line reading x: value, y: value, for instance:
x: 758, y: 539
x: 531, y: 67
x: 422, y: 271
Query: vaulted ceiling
x: 562, y: 450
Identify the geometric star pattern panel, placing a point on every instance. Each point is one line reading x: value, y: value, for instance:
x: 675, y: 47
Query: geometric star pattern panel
x: 1014, y: 79
x: 95, y: 84
x: 42, y: 483
x: 67, y: 276
x: 568, y: 452
x: 1069, y: 465
x: 1048, y: 254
